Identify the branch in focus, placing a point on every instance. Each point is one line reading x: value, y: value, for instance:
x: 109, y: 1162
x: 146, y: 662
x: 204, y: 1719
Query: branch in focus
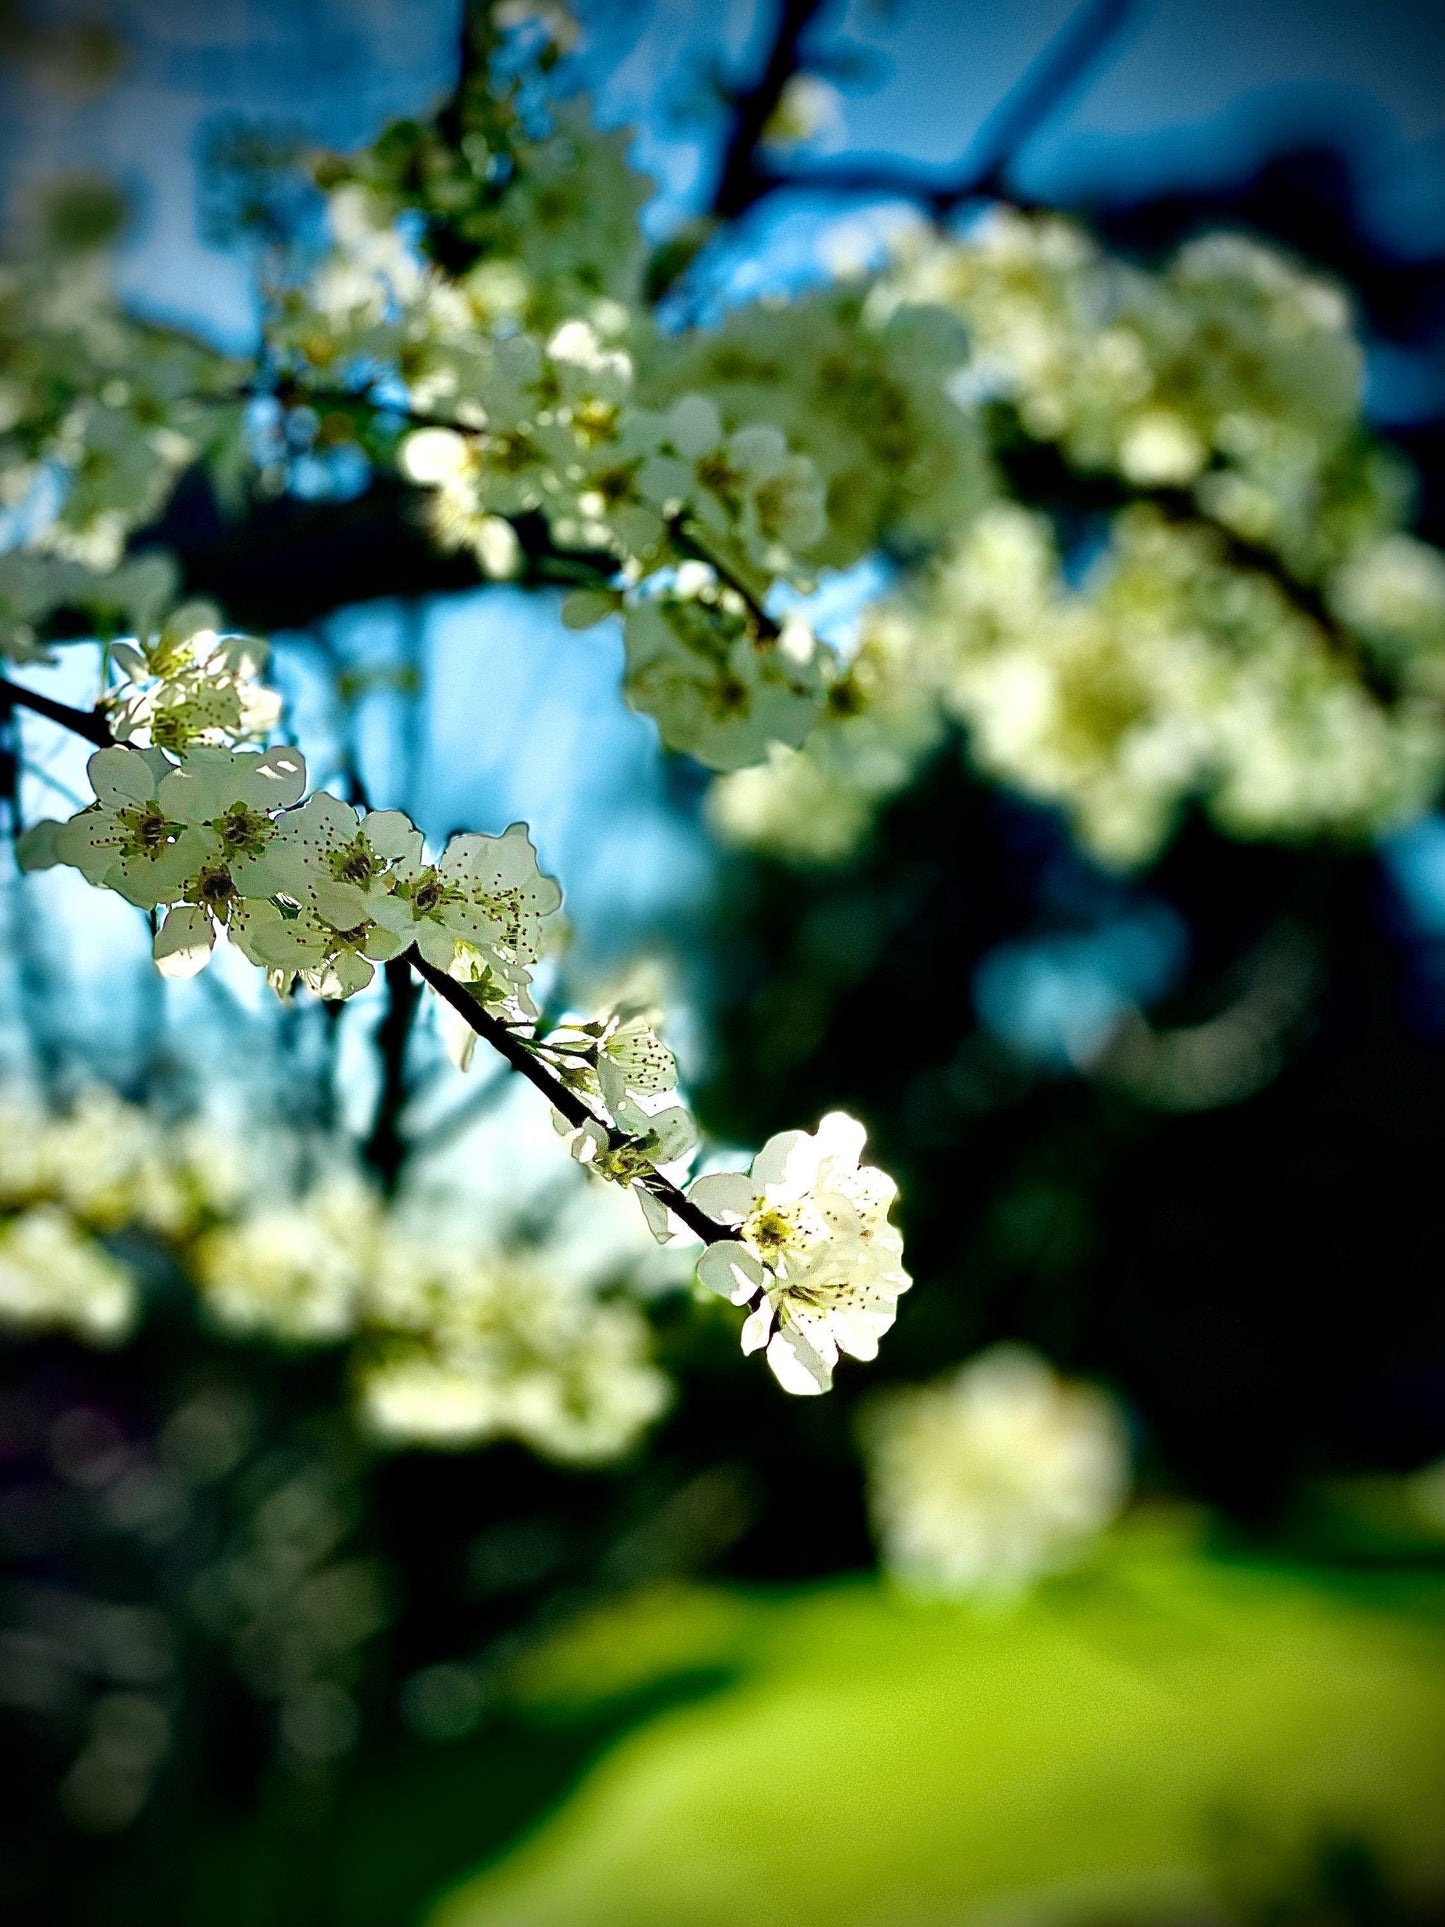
x: 519, y: 1054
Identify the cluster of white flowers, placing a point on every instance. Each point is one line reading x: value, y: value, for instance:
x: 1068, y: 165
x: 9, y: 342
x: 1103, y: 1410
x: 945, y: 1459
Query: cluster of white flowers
x: 1264, y: 638
x: 1230, y: 371
x: 881, y: 715
x: 186, y: 685
x: 1167, y: 674
x: 989, y: 1478
x: 470, y: 1347
x: 99, y: 414
x: 454, y: 1345
x: 455, y: 1342
x: 319, y: 891
x: 858, y: 384
x: 814, y: 1255
x: 69, y: 1182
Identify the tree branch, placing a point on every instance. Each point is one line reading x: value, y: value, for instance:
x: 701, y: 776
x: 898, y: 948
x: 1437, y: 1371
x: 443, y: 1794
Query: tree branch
x: 1044, y: 85
x: 89, y: 723
x: 386, y: 1148
x: 519, y: 1054
x: 753, y: 106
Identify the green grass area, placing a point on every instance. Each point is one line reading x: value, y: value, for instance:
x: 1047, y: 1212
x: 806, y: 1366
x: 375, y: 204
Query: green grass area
x: 1165, y: 1734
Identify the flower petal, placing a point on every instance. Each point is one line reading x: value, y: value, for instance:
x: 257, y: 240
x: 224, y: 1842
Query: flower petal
x: 724, y: 1195
x: 184, y: 941
x: 757, y: 1327
x: 797, y: 1367
x: 121, y: 776
x: 731, y: 1270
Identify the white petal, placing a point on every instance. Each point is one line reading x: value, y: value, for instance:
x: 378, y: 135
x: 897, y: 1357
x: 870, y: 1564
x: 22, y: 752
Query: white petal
x: 391, y: 833
x: 35, y: 849
x: 724, y: 1195
x: 659, y: 1218
x: 279, y: 779
x: 797, y: 1367
x: 842, y: 1138
x: 183, y: 942
x: 121, y: 776
x: 731, y: 1270
x: 757, y: 1326
x: 342, y: 904
x: 786, y: 1161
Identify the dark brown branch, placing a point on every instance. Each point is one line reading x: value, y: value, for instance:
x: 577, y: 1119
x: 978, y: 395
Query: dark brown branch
x: 1041, y: 90
x: 519, y: 1053
x: 89, y: 723
x: 753, y: 107
x: 684, y: 533
x: 386, y: 1148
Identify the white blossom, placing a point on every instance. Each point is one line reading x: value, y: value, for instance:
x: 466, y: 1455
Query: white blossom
x: 814, y: 1248
x: 484, y: 892
x: 988, y: 1478
x: 715, y: 690
x: 53, y: 1274
x: 188, y: 685
x: 294, y: 1271
x: 472, y: 1347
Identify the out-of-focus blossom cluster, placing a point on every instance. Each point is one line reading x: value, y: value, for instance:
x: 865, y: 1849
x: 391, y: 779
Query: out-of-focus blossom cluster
x: 72, y: 1183
x: 1168, y: 674
x: 985, y: 1480
x: 99, y: 414
x: 455, y: 1341
x: 1247, y: 625
x: 1230, y: 372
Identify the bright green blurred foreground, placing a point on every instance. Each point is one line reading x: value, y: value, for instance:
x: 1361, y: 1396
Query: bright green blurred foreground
x: 1169, y: 1731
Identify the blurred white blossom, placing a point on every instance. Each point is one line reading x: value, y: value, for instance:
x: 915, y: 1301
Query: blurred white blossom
x: 985, y: 1480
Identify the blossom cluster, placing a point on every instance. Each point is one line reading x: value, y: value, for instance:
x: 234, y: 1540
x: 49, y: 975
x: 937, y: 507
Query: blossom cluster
x: 508, y: 421
x: 455, y: 1341
x: 319, y: 891
x: 814, y: 1255
x: 99, y: 414
x: 69, y: 1182
x: 993, y: 1476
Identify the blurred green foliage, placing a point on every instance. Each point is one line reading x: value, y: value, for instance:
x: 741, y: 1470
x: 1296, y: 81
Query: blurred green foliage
x: 1170, y: 1734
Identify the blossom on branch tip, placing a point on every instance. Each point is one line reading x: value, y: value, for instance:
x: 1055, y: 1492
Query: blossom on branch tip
x: 814, y: 1253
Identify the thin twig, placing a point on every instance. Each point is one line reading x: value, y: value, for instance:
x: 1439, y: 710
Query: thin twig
x: 519, y: 1053
x: 685, y: 534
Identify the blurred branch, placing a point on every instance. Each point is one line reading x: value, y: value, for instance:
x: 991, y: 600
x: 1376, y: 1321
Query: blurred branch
x: 89, y: 723
x: 748, y: 176
x: 518, y: 1052
x: 386, y: 1147
x: 742, y: 176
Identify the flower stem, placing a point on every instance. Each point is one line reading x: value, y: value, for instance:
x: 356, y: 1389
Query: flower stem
x: 519, y: 1054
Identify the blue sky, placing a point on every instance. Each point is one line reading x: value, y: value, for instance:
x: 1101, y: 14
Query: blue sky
x: 1187, y: 92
